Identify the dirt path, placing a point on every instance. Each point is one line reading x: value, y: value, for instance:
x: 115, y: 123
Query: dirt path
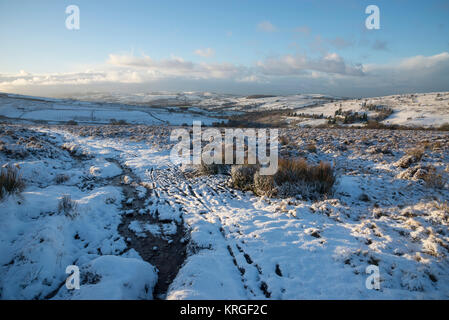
x: 166, y: 252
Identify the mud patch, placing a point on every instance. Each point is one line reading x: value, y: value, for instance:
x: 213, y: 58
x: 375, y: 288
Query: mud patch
x: 166, y: 252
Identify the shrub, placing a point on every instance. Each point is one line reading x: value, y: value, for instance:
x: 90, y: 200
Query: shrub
x: 73, y: 149
x: 242, y: 176
x: 264, y: 185
x: 61, y: 178
x: 283, y: 140
x: 437, y: 145
x: 374, y: 124
x: 312, y: 180
x: 383, y: 114
x: 67, y: 206
x: 290, y: 170
x: 119, y: 122
x: 417, y: 153
x: 72, y: 123
x: 294, y: 177
x: 311, y: 147
x: 10, y: 181
x: 443, y: 206
x: 433, y: 179
x: 211, y: 169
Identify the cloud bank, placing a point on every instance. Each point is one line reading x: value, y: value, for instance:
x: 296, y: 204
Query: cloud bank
x: 329, y: 73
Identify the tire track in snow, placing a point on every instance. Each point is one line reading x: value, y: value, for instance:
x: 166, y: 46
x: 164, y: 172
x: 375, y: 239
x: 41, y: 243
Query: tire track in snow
x: 241, y: 260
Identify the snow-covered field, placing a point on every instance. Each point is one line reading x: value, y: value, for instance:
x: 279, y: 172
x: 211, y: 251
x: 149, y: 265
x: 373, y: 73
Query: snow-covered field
x: 31, y: 109
x: 139, y: 227
x: 428, y: 110
x: 209, y: 100
x: 413, y: 110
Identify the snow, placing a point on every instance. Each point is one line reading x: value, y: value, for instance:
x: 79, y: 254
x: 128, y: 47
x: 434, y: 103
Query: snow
x: 165, y: 108
x: 239, y: 246
x: 103, y: 169
x: 421, y: 109
x: 312, y: 122
x: 119, y: 278
x: 37, y: 242
x: 55, y: 111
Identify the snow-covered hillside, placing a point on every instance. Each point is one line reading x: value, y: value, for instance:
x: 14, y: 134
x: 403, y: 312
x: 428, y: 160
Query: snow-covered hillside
x: 31, y: 109
x: 108, y: 199
x: 209, y: 100
x: 411, y: 110
x: 422, y: 110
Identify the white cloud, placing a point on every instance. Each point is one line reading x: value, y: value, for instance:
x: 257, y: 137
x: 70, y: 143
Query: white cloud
x: 177, y: 67
x: 206, y: 53
x: 266, y: 26
x: 176, y: 64
x: 423, y: 62
x: 329, y: 73
x: 300, y: 64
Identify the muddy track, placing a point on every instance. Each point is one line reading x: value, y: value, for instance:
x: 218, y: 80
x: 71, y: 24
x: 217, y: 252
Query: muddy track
x: 166, y: 252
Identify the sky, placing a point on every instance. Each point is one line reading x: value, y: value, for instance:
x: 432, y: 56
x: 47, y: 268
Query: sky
x: 241, y: 47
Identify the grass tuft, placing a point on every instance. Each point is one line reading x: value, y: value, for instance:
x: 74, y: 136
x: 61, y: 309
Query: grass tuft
x: 10, y: 181
x: 67, y: 206
x: 295, y: 177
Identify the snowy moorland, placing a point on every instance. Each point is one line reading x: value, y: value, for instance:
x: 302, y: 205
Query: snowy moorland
x: 412, y: 110
x: 209, y: 100
x: 421, y: 110
x: 28, y: 109
x: 108, y: 199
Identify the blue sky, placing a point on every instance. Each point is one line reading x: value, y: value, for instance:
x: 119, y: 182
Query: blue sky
x: 227, y: 46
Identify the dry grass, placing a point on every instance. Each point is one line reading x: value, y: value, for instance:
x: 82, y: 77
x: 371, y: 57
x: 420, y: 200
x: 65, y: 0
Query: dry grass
x: 211, y: 169
x: 61, y: 178
x: 320, y: 178
x: 67, y: 206
x: 443, y: 206
x: 242, y: 176
x: 417, y: 153
x: 433, y: 179
x: 10, y: 181
x: 72, y: 123
x: 294, y: 177
x: 436, y: 146
x: 264, y: 185
x: 283, y: 140
x: 311, y: 147
x: 118, y: 123
x: 374, y: 124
